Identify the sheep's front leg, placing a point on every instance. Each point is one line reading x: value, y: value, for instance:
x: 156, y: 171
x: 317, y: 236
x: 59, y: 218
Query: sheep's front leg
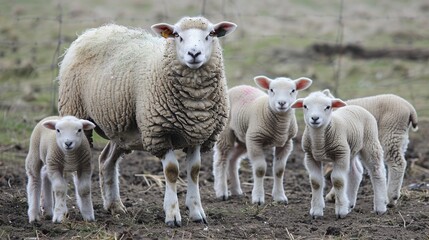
x: 281, y: 155
x: 171, y: 203
x: 47, y: 198
x: 340, y: 183
x: 109, y: 177
x: 82, y: 182
x: 33, y: 188
x: 193, y: 199
x: 259, y: 167
x: 317, y: 183
x: 59, y: 185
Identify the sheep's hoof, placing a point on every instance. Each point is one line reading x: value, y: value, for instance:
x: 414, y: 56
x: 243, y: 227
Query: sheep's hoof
x: 315, y: 217
x: 341, y: 216
x: 224, y: 197
x: 174, y: 223
x: 117, y: 207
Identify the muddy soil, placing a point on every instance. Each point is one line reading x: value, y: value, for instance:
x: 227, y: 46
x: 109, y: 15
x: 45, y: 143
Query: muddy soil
x: 236, y: 218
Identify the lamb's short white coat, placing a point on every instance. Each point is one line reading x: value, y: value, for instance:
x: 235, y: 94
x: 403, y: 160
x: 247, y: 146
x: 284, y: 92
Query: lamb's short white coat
x: 259, y: 123
x: 339, y: 137
x: 58, y: 145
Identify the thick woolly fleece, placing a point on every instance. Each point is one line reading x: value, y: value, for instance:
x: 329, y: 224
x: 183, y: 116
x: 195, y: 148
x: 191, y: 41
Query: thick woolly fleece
x: 132, y: 86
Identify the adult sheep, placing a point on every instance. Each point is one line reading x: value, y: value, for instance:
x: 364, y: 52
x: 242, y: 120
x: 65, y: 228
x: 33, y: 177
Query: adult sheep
x: 150, y: 93
x: 259, y: 122
x: 394, y: 116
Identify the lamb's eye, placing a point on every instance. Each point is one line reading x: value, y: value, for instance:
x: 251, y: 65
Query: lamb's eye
x: 293, y: 90
x: 328, y: 107
x: 305, y: 106
x: 176, y: 35
x: 58, y: 130
x: 80, y: 130
x: 212, y: 34
x: 271, y: 90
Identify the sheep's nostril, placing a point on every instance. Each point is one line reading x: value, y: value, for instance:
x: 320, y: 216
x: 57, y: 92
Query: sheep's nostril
x: 68, y: 144
x: 282, y: 103
x: 314, y: 118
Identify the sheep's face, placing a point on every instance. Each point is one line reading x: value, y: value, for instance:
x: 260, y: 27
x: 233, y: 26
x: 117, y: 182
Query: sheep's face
x: 69, y: 131
x: 194, y: 38
x: 282, y: 92
x: 318, y: 108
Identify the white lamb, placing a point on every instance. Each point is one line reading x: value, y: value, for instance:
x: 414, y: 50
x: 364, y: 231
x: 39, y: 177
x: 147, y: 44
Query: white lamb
x: 394, y: 117
x: 58, y: 145
x: 258, y: 122
x: 150, y: 93
x: 339, y: 137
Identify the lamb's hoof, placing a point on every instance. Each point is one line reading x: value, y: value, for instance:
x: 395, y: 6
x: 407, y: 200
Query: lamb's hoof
x: 341, y: 216
x: 203, y: 220
x: 223, y: 198
x: 315, y: 217
x: 117, y: 207
x: 174, y: 223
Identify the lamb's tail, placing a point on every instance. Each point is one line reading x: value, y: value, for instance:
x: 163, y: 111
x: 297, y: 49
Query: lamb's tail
x: 413, y: 118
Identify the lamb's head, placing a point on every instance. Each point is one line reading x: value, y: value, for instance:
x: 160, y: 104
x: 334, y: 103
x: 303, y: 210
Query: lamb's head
x: 318, y: 108
x: 282, y: 91
x: 194, y: 38
x: 69, y: 131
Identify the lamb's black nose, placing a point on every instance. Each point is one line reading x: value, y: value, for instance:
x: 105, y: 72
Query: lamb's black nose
x: 68, y: 144
x: 314, y: 118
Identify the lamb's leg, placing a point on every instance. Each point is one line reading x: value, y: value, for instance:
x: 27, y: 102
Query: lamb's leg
x: 59, y: 186
x: 396, y: 164
x: 377, y: 172
x: 339, y: 180
x: 47, y: 198
x: 109, y: 177
x: 82, y: 183
x: 33, y: 166
x: 193, y: 199
x: 220, y: 166
x: 234, y: 166
x: 315, y: 171
x: 355, y: 177
x: 259, y: 167
x: 171, y: 203
x: 279, y: 165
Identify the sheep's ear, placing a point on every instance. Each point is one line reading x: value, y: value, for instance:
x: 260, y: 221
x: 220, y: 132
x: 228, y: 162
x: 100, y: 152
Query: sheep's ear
x: 303, y: 83
x: 224, y: 28
x: 87, y: 125
x: 50, y: 124
x: 337, y: 103
x: 165, y: 30
x: 328, y: 93
x: 299, y: 103
x: 262, y: 82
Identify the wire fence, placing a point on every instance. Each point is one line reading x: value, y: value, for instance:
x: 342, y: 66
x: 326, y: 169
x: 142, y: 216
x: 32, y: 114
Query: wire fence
x: 38, y: 50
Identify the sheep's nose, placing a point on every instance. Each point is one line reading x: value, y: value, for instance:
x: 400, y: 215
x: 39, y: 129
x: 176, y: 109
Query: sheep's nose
x: 194, y: 55
x: 282, y: 103
x: 68, y: 144
x: 314, y: 118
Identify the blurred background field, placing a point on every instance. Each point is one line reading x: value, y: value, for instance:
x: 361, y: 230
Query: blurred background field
x: 274, y: 38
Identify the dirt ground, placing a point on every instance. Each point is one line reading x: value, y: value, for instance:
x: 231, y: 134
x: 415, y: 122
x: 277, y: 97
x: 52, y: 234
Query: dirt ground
x: 142, y: 194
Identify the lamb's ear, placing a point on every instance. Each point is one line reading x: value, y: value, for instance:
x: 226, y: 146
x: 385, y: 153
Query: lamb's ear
x: 337, y: 103
x: 50, y: 124
x: 224, y: 28
x: 303, y: 83
x: 263, y: 82
x: 87, y: 125
x: 299, y: 103
x: 165, y: 30
x: 328, y: 93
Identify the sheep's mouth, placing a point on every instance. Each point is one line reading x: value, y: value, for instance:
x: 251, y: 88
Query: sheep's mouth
x: 194, y: 64
x: 315, y: 124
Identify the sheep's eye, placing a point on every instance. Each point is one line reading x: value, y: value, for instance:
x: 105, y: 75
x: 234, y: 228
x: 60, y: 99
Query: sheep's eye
x: 176, y: 35
x: 80, y: 130
x: 328, y: 107
x: 58, y: 130
x: 293, y: 90
x: 305, y: 106
x: 212, y: 34
x: 271, y: 90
